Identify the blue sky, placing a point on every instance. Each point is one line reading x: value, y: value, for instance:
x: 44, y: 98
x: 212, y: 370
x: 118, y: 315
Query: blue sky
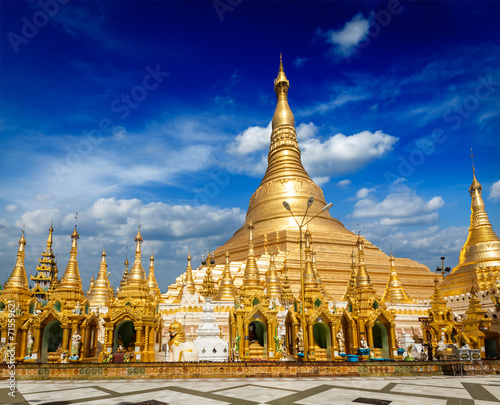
x: 160, y: 111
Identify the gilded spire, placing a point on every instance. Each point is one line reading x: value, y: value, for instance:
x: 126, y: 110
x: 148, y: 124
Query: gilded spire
x: 18, y: 280
x: 362, y: 278
x: 226, y: 285
x: 91, y: 285
x: 137, y: 274
x: 318, y: 277
x: 252, y: 276
x: 189, y: 276
x: 152, y: 283
x: 287, y: 295
x: 208, y: 286
x: 272, y: 281
x: 310, y: 284
x: 71, y: 278
x: 395, y: 292
x: 482, y: 245
x: 283, y: 115
x: 352, y: 280
x: 125, y: 274
x: 437, y: 300
x: 101, y: 293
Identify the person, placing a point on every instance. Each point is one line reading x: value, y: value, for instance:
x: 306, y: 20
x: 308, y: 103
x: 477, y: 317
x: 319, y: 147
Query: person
x: 252, y: 334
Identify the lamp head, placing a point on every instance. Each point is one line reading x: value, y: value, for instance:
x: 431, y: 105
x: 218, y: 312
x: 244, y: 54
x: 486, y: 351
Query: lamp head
x: 442, y: 258
x: 327, y: 207
x: 286, y: 205
x: 310, y: 201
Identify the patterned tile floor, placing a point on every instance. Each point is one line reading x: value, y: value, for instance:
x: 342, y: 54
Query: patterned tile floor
x: 255, y: 391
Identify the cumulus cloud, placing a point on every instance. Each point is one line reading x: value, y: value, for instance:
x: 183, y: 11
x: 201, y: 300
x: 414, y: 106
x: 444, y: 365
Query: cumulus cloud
x: 322, y: 180
x: 350, y: 35
x: 337, y: 155
x: 402, y: 206
x: 495, y: 191
x: 11, y: 208
x: 364, y: 192
x: 343, y: 183
x: 342, y: 154
x: 251, y: 140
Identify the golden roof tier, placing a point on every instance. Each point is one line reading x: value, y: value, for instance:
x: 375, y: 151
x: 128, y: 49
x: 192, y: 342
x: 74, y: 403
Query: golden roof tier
x: 101, y: 293
x: 352, y: 280
x: 481, y: 249
x: 394, y: 292
x: 287, y: 180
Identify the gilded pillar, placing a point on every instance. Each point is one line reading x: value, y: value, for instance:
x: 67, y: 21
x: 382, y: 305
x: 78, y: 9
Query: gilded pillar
x: 393, y: 343
x: 146, y: 344
x: 270, y: 339
x: 247, y: 337
x: 36, y: 342
x: 84, y: 344
x: 370, y: 335
x: 65, y: 340
x: 22, y: 349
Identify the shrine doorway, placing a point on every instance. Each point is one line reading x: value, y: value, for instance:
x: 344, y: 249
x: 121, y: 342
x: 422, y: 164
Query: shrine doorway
x: 380, y: 339
x: 51, y: 339
x: 257, y: 331
x: 124, y: 336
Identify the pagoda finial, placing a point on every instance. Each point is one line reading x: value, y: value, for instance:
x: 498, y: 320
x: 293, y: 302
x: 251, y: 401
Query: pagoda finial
x: 283, y: 115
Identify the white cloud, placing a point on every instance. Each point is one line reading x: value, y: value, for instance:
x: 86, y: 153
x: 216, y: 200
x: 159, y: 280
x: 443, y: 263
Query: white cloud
x: 306, y: 131
x: 44, y: 197
x: 350, y: 35
x: 343, y: 183
x: 364, y: 192
x: 495, y: 191
x: 322, y: 180
x: 11, y: 208
x: 251, y: 140
x: 342, y: 154
x: 401, y: 207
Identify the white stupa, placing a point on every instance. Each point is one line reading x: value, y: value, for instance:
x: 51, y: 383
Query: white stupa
x: 209, y: 344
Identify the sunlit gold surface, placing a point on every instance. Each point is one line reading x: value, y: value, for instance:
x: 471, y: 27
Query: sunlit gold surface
x: 480, y: 253
x: 394, y: 292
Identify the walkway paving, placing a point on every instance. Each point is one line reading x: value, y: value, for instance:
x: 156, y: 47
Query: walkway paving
x: 282, y: 391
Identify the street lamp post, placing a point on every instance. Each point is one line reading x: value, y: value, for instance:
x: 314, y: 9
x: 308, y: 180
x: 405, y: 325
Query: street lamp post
x: 303, y: 223
x: 442, y: 268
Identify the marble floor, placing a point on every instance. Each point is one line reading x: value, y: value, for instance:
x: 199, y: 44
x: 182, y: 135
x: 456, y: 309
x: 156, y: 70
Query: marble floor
x: 439, y: 390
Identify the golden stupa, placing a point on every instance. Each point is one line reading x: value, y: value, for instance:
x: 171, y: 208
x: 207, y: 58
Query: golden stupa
x: 275, y: 231
x: 479, y: 262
